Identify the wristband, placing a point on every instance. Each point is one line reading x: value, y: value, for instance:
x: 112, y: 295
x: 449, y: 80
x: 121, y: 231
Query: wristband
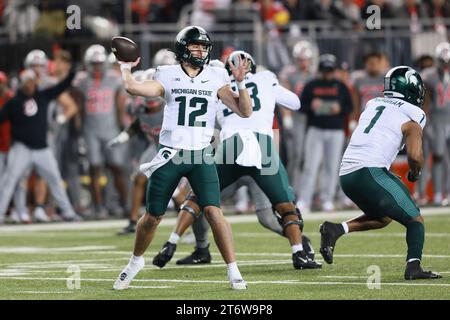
x: 241, y: 85
x: 288, y: 122
x: 123, y: 137
x: 125, y: 66
x: 61, y: 119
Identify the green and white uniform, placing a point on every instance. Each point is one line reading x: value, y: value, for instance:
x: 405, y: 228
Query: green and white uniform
x: 373, y: 147
x: 187, y: 128
x: 246, y: 145
x: 247, y: 149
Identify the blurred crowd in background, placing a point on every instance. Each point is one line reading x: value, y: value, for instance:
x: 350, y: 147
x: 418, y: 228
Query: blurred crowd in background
x: 100, y: 183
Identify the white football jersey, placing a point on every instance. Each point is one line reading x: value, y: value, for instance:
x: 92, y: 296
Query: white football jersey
x: 191, y: 105
x: 378, y: 137
x: 261, y: 88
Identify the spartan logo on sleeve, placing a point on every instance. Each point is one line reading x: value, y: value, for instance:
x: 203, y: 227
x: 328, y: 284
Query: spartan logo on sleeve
x: 30, y: 108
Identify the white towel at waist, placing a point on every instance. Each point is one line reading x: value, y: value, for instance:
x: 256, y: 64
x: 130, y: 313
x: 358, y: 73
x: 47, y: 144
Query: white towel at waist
x: 164, y: 155
x: 251, y: 151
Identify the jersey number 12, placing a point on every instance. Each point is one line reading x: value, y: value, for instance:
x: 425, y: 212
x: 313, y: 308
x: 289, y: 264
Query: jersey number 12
x: 194, y: 114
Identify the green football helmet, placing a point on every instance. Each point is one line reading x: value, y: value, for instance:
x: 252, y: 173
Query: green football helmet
x: 405, y: 83
x: 192, y: 35
x: 233, y: 58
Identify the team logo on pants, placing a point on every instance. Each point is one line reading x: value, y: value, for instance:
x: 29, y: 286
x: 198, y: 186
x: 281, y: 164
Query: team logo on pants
x: 30, y: 108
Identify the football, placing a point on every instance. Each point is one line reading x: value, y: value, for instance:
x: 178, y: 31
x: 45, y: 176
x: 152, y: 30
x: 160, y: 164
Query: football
x: 124, y: 49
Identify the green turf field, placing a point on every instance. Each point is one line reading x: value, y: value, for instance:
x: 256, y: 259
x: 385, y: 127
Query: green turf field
x: 34, y: 264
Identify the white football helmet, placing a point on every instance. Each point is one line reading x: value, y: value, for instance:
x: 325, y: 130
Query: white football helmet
x: 35, y: 58
x: 149, y: 73
x: 138, y: 75
x: 95, y: 54
x: 303, y: 50
x: 234, y: 59
x: 164, y: 57
x: 217, y: 63
x: 142, y: 75
x: 443, y: 52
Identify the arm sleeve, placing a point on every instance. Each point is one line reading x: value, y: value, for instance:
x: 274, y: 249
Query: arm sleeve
x: 55, y: 91
x: 286, y: 98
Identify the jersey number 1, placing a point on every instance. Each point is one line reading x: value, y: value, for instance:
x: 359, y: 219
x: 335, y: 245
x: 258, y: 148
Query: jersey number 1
x: 375, y: 119
x: 194, y: 114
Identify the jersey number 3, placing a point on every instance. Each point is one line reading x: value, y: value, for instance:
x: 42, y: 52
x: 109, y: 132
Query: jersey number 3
x: 375, y: 119
x: 253, y: 96
x: 194, y: 114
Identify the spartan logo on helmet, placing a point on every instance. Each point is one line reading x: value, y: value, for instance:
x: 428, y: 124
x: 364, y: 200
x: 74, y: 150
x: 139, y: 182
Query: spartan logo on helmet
x: 404, y: 83
x: 192, y: 35
x: 411, y: 77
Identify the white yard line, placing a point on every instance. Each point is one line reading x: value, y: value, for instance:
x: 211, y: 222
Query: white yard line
x: 43, y: 292
x: 291, y: 282
x: 377, y: 234
x: 151, y: 287
x: 90, y: 225
x: 149, y: 256
x: 10, y: 249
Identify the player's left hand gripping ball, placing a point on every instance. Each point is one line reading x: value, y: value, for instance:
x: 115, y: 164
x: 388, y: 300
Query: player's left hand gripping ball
x: 125, y: 50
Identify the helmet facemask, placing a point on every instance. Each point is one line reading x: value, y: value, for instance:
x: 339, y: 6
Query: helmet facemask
x: 193, y: 36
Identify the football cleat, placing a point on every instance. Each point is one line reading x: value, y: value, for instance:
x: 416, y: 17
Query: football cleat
x: 165, y: 254
x: 307, y: 246
x: 330, y: 232
x: 129, y: 229
x: 127, y: 275
x: 302, y: 261
x: 199, y: 256
x: 414, y: 271
x: 238, y: 284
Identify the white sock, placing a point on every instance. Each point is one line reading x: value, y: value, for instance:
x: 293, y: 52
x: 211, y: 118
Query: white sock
x: 297, y: 247
x: 136, y: 259
x: 345, y: 226
x: 413, y: 259
x: 233, y: 271
x: 174, y: 238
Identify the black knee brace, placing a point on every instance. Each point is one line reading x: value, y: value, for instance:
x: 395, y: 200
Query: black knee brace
x: 190, y: 209
x: 284, y: 225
